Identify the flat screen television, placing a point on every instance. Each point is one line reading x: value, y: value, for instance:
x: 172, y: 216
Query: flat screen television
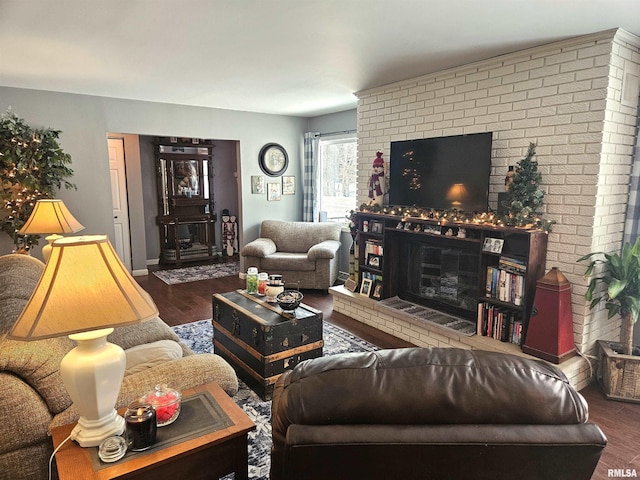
x: 441, y: 173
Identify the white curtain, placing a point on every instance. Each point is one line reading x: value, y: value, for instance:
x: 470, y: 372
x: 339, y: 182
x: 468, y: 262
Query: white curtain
x: 310, y: 206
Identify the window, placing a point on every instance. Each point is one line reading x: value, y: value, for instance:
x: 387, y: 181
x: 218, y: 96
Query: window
x: 338, y: 177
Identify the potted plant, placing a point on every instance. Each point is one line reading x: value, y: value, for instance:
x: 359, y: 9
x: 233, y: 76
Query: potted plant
x: 617, y: 283
x: 32, y: 166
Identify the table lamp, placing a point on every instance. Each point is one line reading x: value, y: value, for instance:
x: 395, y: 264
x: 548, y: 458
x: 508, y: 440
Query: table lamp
x: 84, y: 292
x: 50, y: 217
x: 457, y: 194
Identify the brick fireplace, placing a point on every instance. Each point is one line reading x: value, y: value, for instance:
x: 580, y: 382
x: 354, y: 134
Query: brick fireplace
x: 571, y: 98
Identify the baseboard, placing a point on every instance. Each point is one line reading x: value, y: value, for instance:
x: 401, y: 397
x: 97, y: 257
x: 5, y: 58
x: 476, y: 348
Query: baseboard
x: 141, y: 272
x: 153, y: 261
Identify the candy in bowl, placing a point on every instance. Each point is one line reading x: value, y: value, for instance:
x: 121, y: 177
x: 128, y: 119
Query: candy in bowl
x: 166, y: 402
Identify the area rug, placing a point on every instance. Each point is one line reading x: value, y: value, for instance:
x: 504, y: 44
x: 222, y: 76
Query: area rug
x: 198, y: 336
x: 197, y: 272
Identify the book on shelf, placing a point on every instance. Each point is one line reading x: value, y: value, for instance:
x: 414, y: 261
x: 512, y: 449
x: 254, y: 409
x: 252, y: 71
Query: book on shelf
x: 492, y: 285
x: 370, y: 276
x: 505, y: 285
x: 513, y: 265
x: 373, y: 247
x: 499, y: 323
x: 373, y: 253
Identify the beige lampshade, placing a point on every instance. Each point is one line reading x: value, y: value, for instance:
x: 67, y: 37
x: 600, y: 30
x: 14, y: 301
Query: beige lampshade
x: 50, y: 216
x: 84, y: 287
x: 457, y: 193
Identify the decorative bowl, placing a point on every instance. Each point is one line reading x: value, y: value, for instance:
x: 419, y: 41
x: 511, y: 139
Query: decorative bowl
x: 289, y: 299
x: 166, y: 402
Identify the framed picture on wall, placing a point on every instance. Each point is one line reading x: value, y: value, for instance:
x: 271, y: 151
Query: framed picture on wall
x: 257, y: 184
x: 288, y: 185
x: 274, y: 192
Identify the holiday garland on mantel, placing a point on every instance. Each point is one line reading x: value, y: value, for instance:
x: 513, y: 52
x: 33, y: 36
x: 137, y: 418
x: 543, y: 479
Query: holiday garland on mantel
x: 32, y: 166
x: 524, y: 200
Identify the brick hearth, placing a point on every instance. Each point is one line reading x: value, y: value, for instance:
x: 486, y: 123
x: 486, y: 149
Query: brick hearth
x: 428, y: 334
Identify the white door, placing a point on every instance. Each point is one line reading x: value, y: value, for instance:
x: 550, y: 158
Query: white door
x: 119, y: 196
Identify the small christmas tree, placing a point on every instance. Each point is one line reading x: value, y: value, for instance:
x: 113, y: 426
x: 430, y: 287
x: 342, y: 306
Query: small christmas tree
x: 525, y: 195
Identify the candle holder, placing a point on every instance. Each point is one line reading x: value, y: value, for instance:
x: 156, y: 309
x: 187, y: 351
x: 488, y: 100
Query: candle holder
x: 141, y: 427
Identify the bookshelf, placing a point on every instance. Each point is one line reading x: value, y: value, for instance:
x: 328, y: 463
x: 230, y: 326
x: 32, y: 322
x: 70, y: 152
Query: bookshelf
x: 483, y: 273
x: 371, y: 254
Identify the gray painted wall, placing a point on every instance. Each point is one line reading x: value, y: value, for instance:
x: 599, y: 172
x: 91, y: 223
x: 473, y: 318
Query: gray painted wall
x: 86, y: 121
x: 335, y: 122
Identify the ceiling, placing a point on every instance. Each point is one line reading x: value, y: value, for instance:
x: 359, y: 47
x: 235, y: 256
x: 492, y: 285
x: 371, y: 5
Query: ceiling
x: 291, y: 57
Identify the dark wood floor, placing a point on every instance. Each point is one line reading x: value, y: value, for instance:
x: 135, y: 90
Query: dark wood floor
x: 188, y: 302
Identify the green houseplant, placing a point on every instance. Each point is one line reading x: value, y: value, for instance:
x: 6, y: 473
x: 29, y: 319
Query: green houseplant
x: 32, y: 166
x: 620, y: 275
x: 616, y: 282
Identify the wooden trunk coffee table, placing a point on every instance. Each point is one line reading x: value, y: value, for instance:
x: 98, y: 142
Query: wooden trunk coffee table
x: 260, y: 340
x: 208, y: 455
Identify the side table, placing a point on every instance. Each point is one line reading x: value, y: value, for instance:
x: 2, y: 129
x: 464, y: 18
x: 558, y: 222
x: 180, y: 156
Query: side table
x: 207, y: 456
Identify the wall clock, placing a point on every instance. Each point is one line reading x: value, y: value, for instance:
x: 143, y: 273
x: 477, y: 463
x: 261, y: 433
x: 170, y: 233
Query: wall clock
x: 273, y: 159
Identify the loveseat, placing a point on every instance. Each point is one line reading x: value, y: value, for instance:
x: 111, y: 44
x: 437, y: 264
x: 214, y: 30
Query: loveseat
x: 304, y: 253
x: 424, y: 413
x: 33, y: 399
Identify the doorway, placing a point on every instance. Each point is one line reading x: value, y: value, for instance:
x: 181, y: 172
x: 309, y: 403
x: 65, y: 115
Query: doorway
x: 118, y: 174
x: 141, y: 196
x: 226, y: 192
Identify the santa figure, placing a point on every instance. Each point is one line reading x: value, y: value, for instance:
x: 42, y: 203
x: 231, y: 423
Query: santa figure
x: 377, y: 185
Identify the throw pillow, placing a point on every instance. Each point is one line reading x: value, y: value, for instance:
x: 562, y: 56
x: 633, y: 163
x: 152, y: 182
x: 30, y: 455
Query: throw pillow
x: 148, y: 355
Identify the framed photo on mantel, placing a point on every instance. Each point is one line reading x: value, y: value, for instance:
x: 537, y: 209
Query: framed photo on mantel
x: 351, y: 285
x: 492, y: 245
x: 365, y: 287
x: 376, y: 292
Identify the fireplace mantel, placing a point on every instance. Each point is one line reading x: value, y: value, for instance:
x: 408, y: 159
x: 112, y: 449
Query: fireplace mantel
x: 453, y: 267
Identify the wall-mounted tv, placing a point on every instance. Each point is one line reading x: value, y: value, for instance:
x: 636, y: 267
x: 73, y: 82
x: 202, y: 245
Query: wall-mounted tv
x: 441, y: 172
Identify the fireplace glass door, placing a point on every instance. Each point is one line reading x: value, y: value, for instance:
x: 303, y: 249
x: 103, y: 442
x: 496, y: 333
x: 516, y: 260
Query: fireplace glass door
x: 444, y: 278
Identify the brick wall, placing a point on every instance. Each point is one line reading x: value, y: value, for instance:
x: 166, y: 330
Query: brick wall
x: 564, y: 96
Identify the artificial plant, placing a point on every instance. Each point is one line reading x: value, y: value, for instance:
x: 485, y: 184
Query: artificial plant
x: 620, y: 276
x: 525, y: 195
x: 32, y: 166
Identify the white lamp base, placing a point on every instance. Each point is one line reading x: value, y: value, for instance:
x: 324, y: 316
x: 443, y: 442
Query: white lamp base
x: 91, y: 433
x: 92, y: 373
x: 46, y: 249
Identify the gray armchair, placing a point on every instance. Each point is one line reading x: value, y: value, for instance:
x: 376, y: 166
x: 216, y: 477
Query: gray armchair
x: 302, y: 252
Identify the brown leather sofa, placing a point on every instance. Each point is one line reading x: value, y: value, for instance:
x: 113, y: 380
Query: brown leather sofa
x: 425, y: 413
